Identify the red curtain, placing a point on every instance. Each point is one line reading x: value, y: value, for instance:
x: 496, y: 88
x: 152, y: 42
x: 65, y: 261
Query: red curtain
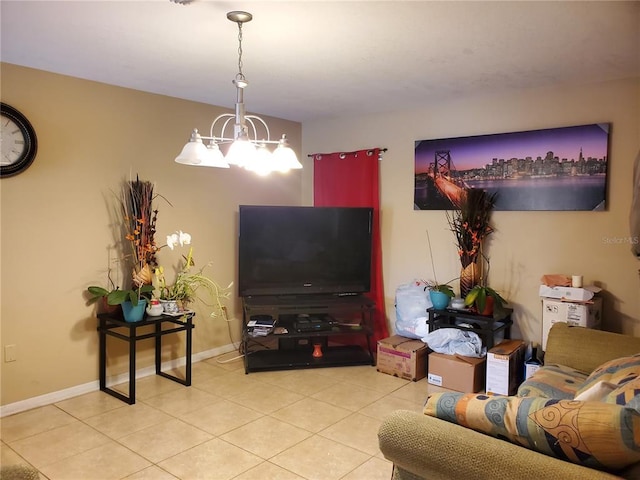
x: 352, y: 180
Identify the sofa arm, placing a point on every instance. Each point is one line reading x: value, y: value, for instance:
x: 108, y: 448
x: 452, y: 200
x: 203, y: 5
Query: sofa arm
x: 585, y: 349
x: 433, y: 449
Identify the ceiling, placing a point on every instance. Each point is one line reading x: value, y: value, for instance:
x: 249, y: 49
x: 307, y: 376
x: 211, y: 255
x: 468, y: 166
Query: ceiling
x: 313, y: 59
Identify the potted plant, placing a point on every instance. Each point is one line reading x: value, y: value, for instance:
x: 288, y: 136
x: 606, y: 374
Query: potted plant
x: 440, y: 294
x: 189, y: 284
x: 485, y: 300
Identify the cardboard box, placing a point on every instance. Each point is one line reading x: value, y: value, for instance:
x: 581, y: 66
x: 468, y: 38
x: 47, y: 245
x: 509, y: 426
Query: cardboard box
x: 402, y: 357
x: 455, y: 372
x: 569, y: 293
x: 572, y: 313
x: 505, y: 367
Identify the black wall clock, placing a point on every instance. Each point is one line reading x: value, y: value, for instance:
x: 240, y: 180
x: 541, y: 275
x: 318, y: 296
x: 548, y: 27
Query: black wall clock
x: 19, y: 143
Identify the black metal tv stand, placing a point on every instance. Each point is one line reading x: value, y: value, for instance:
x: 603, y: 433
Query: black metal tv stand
x: 344, y: 330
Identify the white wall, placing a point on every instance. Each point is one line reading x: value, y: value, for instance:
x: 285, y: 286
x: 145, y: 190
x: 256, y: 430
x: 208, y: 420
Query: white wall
x: 526, y: 245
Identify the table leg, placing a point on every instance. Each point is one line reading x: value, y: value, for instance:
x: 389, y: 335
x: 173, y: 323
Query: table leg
x: 102, y: 335
x: 132, y: 364
x: 188, y: 352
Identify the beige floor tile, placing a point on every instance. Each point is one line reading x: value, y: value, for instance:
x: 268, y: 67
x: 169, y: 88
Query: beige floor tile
x: 164, y: 440
x: 311, y: 414
x: 416, y: 392
x: 127, y: 419
x: 371, y: 378
x: 8, y: 456
x: 351, y: 397
x: 57, y: 444
x: 266, y: 436
x: 304, y: 382
x: 149, y: 386
x: 357, y: 431
x: 107, y: 462
x: 267, y: 399
x: 383, y: 407
x: 203, y: 372
x: 268, y: 471
x: 231, y: 361
x: 221, y: 417
x: 89, y: 404
x: 372, y: 469
x: 151, y: 473
x: 31, y: 422
x: 336, y: 459
x: 231, y: 385
x: 182, y: 401
x: 212, y: 460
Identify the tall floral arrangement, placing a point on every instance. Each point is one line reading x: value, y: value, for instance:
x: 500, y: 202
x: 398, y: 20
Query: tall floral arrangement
x: 471, y: 226
x: 139, y: 224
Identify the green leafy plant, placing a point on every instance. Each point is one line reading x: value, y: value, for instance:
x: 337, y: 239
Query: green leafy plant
x: 190, y: 284
x: 117, y: 296
x: 442, y: 288
x: 478, y: 296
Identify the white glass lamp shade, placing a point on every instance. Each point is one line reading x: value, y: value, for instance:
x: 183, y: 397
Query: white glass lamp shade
x: 214, y: 157
x: 194, y: 152
x: 284, y: 157
x: 262, y: 162
x: 241, y: 153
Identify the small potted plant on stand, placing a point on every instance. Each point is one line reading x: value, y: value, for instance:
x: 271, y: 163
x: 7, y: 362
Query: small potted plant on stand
x: 189, y: 284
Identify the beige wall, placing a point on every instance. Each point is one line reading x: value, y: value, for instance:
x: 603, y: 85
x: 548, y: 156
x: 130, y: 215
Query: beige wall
x: 526, y: 245
x: 56, y: 225
x: 56, y: 229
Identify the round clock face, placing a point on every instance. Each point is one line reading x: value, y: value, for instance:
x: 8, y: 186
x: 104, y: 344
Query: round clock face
x: 18, y: 141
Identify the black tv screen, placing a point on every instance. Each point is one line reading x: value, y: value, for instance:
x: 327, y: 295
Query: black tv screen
x: 286, y: 250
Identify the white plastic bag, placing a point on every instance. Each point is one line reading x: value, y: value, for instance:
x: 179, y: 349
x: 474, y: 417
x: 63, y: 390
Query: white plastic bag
x: 452, y: 341
x: 412, y: 301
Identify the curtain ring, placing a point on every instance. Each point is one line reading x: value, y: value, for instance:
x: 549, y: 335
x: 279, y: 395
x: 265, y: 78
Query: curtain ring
x: 343, y: 156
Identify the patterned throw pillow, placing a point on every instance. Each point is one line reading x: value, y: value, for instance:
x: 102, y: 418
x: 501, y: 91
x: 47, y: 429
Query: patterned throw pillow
x: 594, y: 434
x: 627, y: 394
x: 552, y: 381
x: 618, y: 371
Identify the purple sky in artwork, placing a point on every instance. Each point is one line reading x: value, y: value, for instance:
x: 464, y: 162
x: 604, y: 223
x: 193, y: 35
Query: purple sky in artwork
x: 477, y: 151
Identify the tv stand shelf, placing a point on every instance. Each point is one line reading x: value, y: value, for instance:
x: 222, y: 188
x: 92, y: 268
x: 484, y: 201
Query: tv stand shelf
x: 346, y: 326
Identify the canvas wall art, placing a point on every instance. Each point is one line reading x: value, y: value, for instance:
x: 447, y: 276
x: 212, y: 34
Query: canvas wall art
x: 552, y: 169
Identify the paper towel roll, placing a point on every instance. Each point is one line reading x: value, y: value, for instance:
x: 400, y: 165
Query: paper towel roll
x: 576, y: 281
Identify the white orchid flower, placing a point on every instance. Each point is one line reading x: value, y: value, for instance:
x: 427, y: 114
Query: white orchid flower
x: 173, y: 240
x: 185, y: 238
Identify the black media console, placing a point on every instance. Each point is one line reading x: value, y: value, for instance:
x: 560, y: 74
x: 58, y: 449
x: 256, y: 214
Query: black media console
x: 337, y: 327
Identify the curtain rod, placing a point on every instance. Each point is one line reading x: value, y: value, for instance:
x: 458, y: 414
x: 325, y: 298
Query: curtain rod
x: 382, y: 150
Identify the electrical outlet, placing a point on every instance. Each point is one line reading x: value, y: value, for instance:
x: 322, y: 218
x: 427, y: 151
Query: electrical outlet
x: 10, y: 353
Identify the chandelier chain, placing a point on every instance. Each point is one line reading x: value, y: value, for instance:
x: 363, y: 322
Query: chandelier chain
x: 240, y: 74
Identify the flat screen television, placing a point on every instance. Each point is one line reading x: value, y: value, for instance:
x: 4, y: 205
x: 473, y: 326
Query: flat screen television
x: 293, y: 250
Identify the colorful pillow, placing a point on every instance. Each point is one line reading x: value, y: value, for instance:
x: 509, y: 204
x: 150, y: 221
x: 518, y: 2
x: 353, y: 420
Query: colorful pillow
x: 596, y: 392
x: 617, y: 371
x: 627, y: 394
x: 594, y: 434
x: 553, y: 381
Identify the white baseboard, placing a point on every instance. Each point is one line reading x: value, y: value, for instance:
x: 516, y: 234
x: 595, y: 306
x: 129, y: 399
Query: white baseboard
x: 71, y: 392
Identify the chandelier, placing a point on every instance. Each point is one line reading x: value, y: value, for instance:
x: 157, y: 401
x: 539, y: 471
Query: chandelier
x: 247, y: 148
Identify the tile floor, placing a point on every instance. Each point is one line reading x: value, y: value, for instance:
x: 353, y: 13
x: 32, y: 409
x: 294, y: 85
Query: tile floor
x: 318, y: 424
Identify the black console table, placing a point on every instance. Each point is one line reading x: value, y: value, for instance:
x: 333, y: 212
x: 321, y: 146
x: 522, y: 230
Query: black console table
x: 347, y: 317
x: 109, y: 324
x: 486, y: 326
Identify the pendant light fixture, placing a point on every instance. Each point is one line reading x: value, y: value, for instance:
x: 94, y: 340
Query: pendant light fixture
x: 248, y: 145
